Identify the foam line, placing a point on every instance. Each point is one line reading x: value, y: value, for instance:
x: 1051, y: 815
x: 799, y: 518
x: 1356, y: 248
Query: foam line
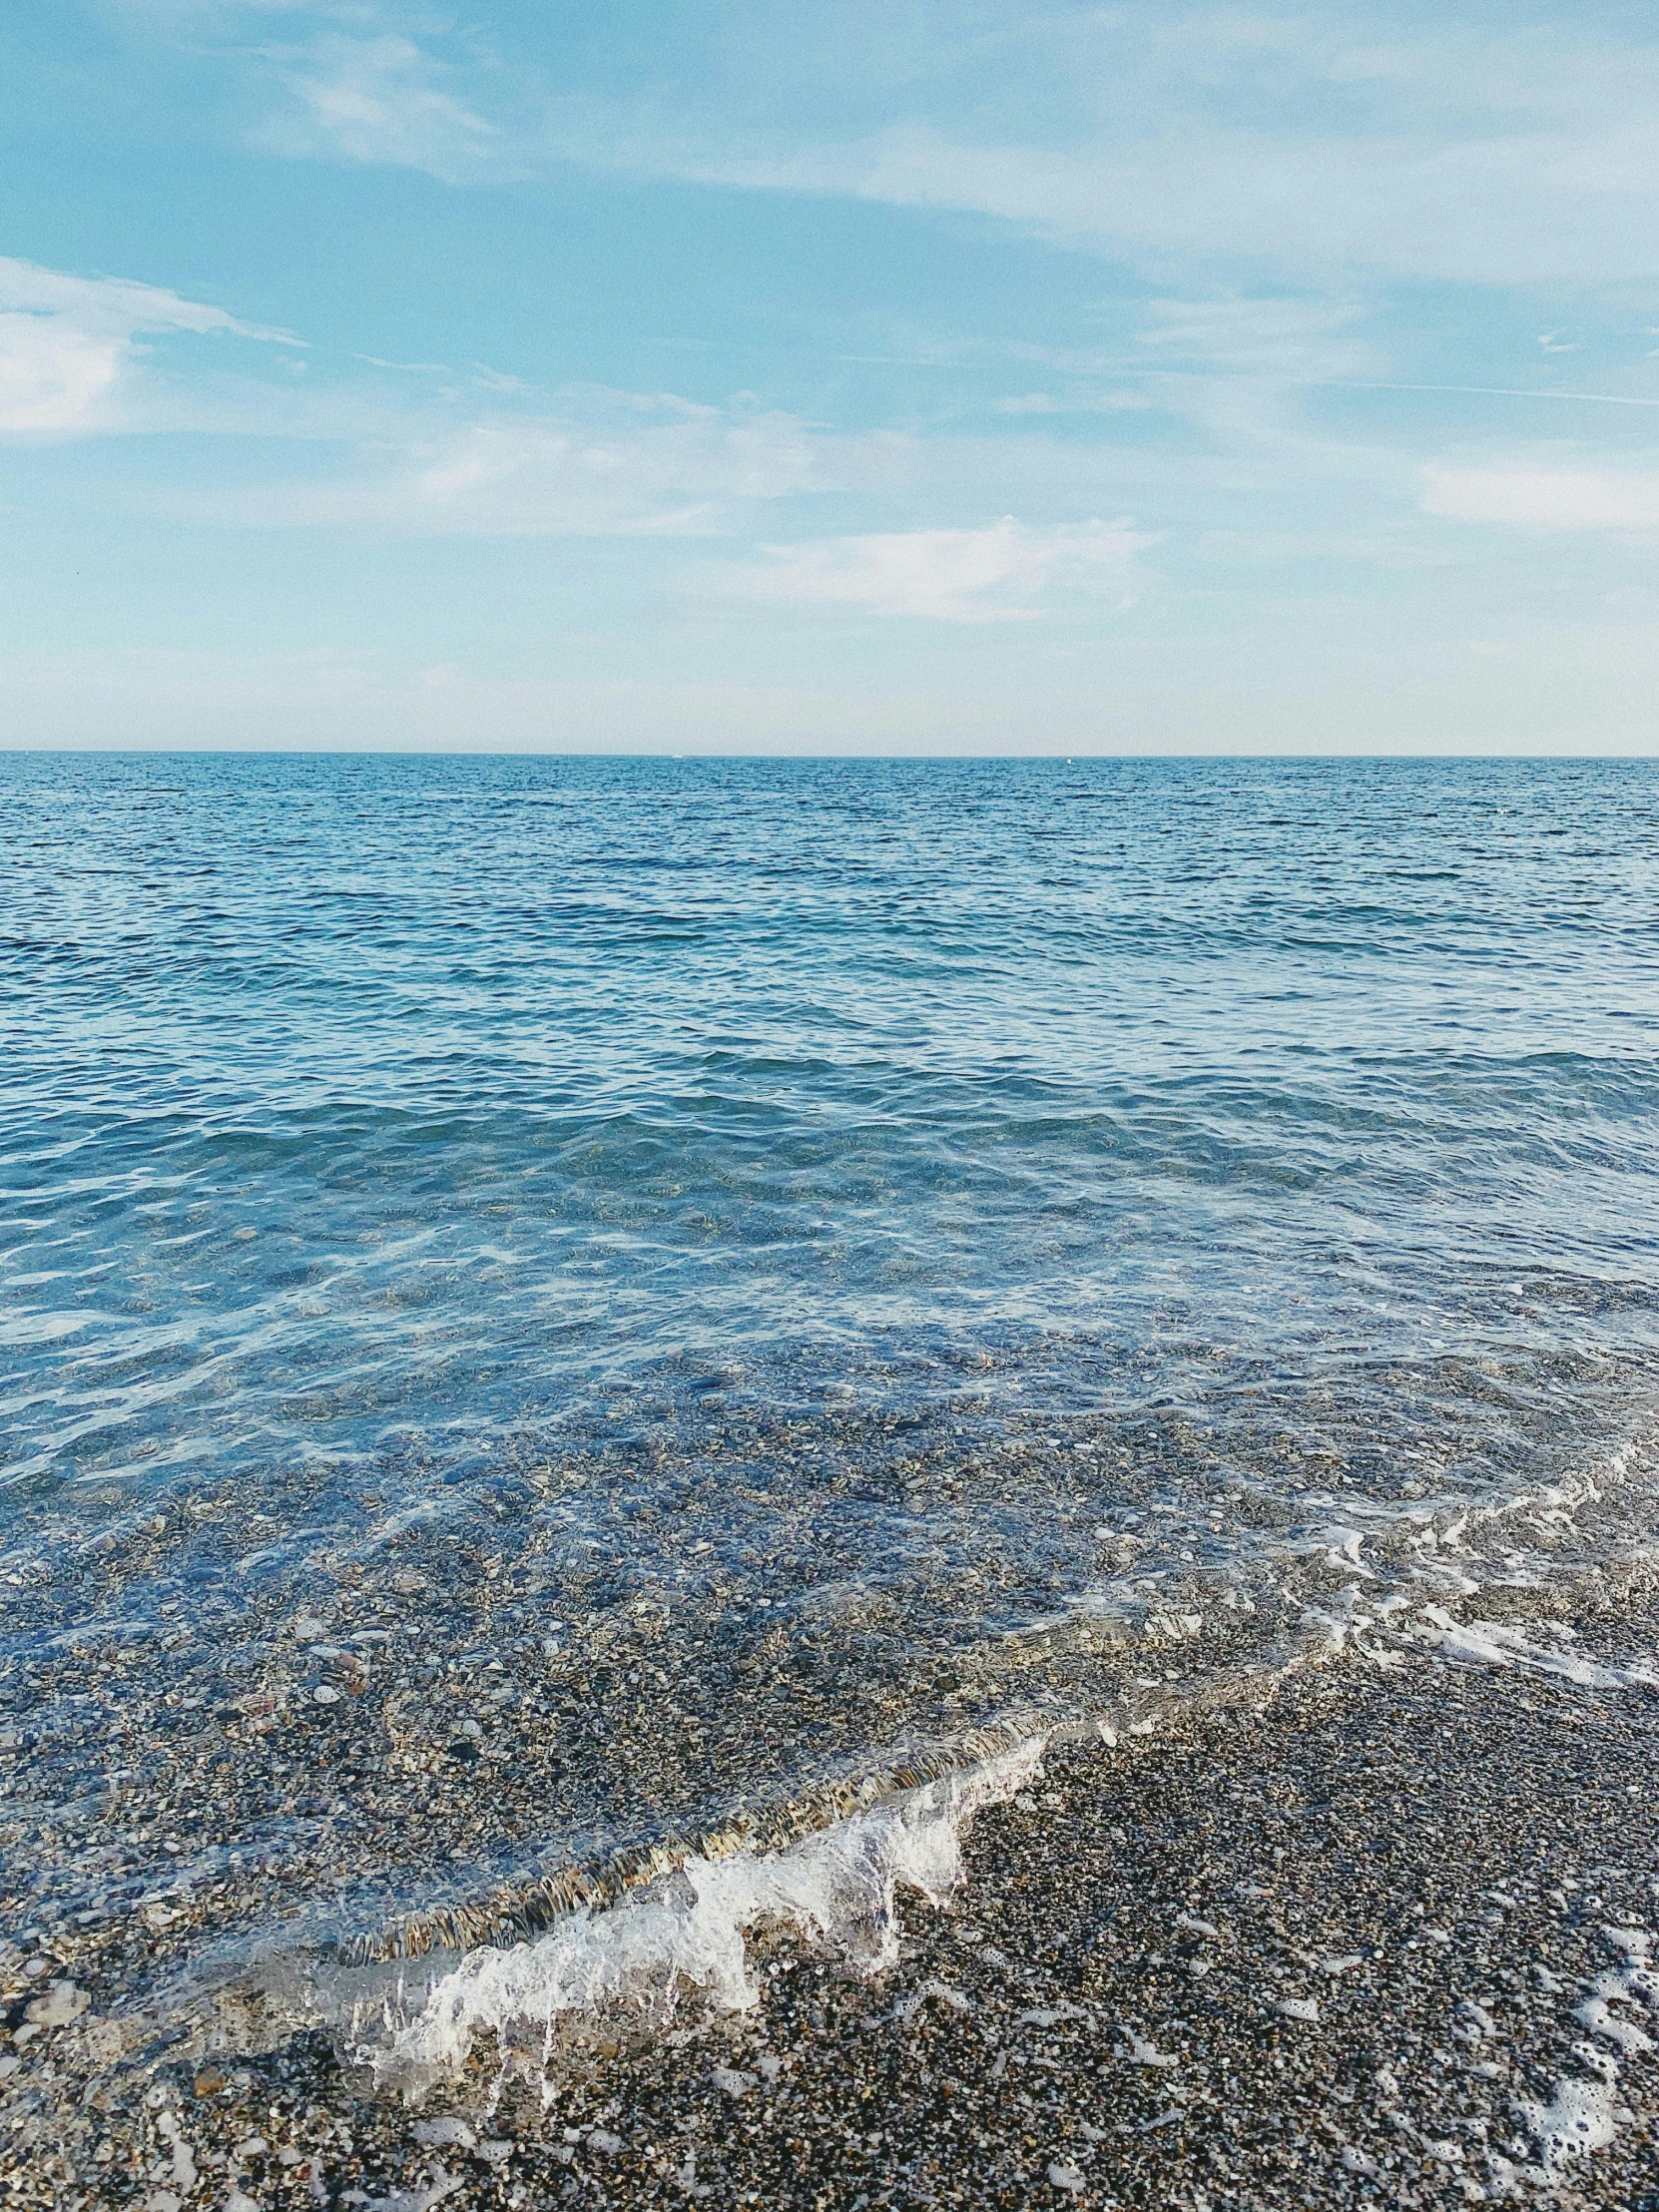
x: 684, y: 1937
x: 1490, y: 1643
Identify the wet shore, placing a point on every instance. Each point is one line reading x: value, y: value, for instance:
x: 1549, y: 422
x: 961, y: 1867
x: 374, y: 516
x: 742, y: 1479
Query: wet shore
x: 1380, y: 1939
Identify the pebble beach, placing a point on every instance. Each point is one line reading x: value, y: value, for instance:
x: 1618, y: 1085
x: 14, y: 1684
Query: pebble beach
x: 1381, y: 1937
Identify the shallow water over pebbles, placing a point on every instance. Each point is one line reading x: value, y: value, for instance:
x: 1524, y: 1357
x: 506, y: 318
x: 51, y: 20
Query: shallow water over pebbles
x: 556, y: 1310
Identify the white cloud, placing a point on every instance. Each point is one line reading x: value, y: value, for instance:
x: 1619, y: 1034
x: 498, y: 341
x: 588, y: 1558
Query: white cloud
x: 463, y: 461
x: 992, y: 574
x: 1075, y: 401
x: 1343, y: 140
x: 611, y: 464
x: 1619, y: 500
x: 1272, y: 336
x: 1292, y: 141
x: 67, y: 344
x: 379, y: 99
x: 52, y: 375
x: 1518, y: 208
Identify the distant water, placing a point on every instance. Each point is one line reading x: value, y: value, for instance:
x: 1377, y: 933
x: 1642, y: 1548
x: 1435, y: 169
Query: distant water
x: 550, y: 1304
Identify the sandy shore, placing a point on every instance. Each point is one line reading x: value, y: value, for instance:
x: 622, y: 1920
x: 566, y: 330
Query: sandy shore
x: 1336, y: 1950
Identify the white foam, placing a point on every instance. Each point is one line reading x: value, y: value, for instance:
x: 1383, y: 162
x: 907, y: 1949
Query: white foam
x: 1386, y: 1631
x: 1142, y: 2051
x: 1491, y: 1644
x: 1578, y: 2120
x: 638, y: 1960
x: 420, y: 2200
x: 909, y: 2006
x: 1598, y: 2016
x: 1584, y: 2117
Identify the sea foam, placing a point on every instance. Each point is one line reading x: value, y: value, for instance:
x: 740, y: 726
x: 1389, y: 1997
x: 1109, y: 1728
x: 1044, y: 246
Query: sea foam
x: 682, y: 1942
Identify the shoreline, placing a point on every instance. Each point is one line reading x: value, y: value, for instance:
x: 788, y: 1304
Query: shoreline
x: 1325, y: 1952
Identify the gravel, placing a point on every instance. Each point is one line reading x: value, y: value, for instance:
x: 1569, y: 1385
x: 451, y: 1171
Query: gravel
x: 1346, y: 1946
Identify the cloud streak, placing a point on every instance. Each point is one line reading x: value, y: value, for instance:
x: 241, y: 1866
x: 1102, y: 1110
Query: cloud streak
x: 485, y: 455
x: 70, y: 346
x: 611, y: 465
x: 1438, y: 149
x: 381, y: 99
x: 995, y: 574
x: 1619, y: 501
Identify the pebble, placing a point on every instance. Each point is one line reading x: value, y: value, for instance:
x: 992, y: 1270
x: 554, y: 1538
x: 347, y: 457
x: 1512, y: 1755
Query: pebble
x: 61, y: 2003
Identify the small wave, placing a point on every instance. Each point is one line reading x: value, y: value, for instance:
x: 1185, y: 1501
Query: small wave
x: 682, y: 1939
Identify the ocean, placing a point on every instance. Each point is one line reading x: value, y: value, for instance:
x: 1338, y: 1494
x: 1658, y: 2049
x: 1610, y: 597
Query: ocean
x: 566, y: 1319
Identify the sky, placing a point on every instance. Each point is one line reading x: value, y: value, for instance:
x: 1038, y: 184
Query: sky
x: 880, y: 377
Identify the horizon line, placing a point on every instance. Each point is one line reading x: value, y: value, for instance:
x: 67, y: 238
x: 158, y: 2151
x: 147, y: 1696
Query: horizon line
x: 529, y: 752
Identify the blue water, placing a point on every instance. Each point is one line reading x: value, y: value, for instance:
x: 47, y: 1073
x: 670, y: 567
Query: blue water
x: 696, y: 1220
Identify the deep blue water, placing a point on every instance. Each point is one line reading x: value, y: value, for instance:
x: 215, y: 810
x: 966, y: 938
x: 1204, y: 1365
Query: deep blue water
x: 833, y: 1200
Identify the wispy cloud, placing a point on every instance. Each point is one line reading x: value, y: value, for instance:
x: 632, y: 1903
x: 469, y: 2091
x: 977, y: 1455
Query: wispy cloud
x: 1074, y: 401
x: 995, y: 574
x: 70, y: 346
x: 1342, y: 141
x: 604, y: 464
x: 476, y: 454
x: 384, y: 99
x: 1245, y: 342
x: 1622, y: 500
x: 1287, y: 338
x: 1233, y: 138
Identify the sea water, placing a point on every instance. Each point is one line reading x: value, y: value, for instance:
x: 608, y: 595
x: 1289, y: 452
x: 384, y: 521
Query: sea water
x: 564, y: 1318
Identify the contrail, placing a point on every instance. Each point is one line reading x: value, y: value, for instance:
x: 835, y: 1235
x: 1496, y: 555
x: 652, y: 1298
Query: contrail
x: 1484, y: 392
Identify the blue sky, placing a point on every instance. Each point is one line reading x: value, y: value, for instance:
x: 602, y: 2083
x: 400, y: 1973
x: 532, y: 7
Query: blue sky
x: 898, y: 376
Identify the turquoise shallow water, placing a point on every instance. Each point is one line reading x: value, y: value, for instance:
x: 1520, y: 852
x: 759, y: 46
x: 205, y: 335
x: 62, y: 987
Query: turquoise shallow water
x: 839, y: 1215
